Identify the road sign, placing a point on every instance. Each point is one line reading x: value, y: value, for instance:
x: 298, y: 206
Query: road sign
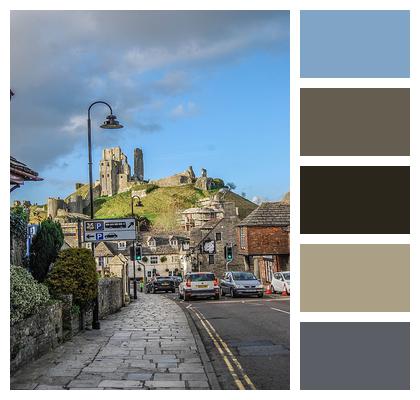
x: 102, y: 230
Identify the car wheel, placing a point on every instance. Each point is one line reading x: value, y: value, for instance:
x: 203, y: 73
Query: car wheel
x: 222, y: 293
x: 272, y: 289
x: 186, y: 297
x: 232, y: 292
x: 261, y: 295
x: 216, y: 296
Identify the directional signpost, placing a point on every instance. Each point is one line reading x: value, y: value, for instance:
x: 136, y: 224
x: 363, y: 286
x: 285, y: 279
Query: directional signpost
x: 103, y: 230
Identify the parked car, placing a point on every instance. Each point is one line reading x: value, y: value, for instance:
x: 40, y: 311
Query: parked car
x: 160, y: 284
x: 199, y: 284
x: 237, y: 283
x: 281, y: 282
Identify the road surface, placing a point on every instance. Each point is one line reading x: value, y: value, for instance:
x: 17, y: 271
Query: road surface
x: 247, y: 339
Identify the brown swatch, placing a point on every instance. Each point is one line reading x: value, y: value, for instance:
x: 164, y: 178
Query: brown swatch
x: 355, y: 122
x: 353, y: 200
x: 355, y: 278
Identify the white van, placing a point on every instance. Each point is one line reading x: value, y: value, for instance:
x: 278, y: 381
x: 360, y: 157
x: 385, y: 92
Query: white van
x: 281, y: 282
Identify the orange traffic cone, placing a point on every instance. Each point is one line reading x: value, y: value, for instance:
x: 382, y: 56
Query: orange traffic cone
x: 284, y: 292
x: 268, y: 290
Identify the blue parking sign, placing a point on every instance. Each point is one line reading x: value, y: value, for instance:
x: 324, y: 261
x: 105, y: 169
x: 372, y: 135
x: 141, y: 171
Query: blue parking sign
x: 99, y: 236
x: 99, y: 226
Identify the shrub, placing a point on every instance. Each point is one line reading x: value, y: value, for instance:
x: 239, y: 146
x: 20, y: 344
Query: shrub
x: 74, y: 273
x: 163, y: 259
x: 144, y: 258
x: 26, y: 294
x: 151, y: 188
x: 218, y: 183
x: 44, y: 249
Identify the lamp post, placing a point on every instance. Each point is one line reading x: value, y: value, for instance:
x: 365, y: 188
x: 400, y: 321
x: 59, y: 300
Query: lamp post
x: 110, y: 123
x: 134, y: 245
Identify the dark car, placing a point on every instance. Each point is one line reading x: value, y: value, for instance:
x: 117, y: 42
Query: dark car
x: 160, y: 284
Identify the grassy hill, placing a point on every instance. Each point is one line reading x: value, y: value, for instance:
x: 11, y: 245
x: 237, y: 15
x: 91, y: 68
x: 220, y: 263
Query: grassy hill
x: 162, y: 204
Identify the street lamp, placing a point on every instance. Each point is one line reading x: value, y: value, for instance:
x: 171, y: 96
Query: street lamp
x: 134, y: 245
x: 110, y: 123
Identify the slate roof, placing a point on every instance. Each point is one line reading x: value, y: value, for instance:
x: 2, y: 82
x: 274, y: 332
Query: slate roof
x: 20, y: 172
x: 269, y: 214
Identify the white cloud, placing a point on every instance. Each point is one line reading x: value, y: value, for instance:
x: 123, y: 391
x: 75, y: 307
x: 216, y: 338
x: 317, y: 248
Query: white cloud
x: 184, y: 110
x: 259, y: 199
x: 76, y: 125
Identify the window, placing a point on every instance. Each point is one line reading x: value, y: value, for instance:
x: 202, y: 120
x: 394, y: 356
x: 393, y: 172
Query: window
x: 218, y: 236
x: 149, y: 274
x: 211, y: 258
x: 174, y: 243
x: 153, y: 260
x: 103, y: 176
x: 122, y: 245
x: 107, y: 175
x: 101, y: 261
x: 242, y: 237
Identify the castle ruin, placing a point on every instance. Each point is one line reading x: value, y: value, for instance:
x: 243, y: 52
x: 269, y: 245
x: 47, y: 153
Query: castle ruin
x: 115, y: 171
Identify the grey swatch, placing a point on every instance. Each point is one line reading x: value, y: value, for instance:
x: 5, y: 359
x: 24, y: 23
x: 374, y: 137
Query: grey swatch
x: 355, y: 355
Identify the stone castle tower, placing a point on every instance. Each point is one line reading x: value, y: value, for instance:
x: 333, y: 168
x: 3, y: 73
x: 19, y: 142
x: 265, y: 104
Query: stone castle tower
x: 138, y: 165
x: 114, y: 172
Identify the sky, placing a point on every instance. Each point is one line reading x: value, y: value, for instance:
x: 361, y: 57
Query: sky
x: 203, y: 88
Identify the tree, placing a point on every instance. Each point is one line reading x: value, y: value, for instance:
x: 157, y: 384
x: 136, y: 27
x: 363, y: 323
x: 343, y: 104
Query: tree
x: 44, y: 249
x: 74, y: 273
x: 243, y: 194
x: 231, y: 185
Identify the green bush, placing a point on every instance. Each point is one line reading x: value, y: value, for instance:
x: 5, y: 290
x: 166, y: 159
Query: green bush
x: 44, y: 249
x: 74, y: 273
x: 163, y: 259
x: 18, y: 223
x: 26, y: 294
x: 218, y: 183
x: 144, y: 258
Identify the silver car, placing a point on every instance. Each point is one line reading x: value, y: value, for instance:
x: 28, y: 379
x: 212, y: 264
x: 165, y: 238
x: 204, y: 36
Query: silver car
x: 237, y: 283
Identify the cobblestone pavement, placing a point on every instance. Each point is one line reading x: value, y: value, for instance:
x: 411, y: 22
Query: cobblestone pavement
x: 147, y: 345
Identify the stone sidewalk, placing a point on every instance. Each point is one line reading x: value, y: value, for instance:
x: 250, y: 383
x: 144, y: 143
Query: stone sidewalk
x: 147, y: 345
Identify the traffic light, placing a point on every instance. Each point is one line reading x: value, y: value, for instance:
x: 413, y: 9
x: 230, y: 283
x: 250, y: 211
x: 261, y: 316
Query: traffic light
x: 131, y: 253
x: 229, y: 253
x: 138, y: 253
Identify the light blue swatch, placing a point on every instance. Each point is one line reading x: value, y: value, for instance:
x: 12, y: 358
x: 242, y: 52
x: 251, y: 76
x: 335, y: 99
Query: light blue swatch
x: 355, y: 44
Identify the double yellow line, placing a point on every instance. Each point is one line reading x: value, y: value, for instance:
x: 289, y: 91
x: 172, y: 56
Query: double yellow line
x: 239, y: 376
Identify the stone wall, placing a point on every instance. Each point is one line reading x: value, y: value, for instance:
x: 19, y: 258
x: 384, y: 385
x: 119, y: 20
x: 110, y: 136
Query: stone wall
x: 53, y: 324
x: 36, y: 335
x: 110, y: 296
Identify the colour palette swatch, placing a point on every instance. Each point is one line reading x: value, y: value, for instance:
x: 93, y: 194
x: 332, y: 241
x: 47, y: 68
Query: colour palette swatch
x: 355, y: 355
x: 355, y: 200
x: 355, y: 122
x: 355, y: 44
x: 355, y: 278
x: 368, y: 201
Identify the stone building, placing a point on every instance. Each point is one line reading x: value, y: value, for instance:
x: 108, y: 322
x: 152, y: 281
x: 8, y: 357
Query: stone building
x: 138, y: 165
x: 263, y: 239
x: 161, y: 254
x: 115, y: 171
x: 208, y: 241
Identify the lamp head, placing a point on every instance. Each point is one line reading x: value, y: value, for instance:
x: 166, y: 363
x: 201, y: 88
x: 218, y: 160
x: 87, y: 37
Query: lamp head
x: 111, y: 123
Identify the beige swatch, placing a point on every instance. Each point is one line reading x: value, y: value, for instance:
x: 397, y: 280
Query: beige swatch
x: 354, y: 277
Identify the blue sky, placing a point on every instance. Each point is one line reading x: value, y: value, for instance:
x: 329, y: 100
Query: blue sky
x: 207, y: 89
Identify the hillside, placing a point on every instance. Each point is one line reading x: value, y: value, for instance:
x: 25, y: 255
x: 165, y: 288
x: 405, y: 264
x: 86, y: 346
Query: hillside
x: 161, y: 205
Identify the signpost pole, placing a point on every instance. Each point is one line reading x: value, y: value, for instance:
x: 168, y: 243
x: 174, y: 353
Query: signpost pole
x: 134, y: 270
